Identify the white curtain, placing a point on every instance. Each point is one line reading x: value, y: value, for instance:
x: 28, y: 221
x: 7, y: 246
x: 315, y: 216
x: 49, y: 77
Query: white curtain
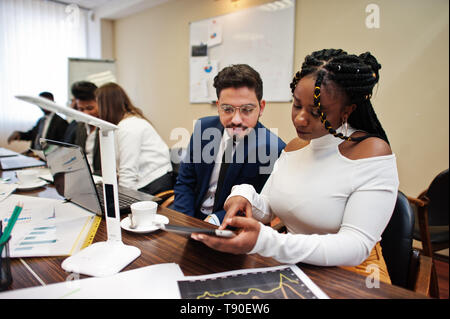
x: 36, y: 39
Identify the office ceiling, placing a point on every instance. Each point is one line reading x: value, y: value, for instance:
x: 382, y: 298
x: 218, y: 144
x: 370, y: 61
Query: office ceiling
x: 114, y: 9
x: 88, y: 4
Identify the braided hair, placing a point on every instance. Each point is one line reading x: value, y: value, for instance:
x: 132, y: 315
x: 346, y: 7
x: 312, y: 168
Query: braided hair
x: 356, y: 76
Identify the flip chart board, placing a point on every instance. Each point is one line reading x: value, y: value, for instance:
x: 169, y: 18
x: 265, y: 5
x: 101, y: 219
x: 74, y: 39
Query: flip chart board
x: 96, y: 71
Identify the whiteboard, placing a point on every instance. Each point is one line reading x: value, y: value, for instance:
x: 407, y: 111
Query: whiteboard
x: 262, y: 37
x: 96, y: 71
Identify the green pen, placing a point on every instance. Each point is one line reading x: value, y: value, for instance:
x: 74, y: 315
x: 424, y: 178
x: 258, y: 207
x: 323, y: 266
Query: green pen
x: 11, y: 223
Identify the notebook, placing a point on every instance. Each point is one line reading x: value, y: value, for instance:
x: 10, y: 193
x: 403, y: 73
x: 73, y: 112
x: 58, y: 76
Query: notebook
x: 4, y: 152
x: 19, y: 161
x: 73, y: 179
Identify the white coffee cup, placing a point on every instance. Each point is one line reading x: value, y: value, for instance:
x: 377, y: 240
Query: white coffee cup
x: 143, y: 213
x: 27, y: 176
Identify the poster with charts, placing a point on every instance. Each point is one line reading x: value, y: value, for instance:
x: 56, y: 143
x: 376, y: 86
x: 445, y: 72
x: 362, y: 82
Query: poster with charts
x: 282, y: 282
x: 202, y: 73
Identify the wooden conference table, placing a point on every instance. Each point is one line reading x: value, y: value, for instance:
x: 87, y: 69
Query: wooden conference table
x: 194, y: 258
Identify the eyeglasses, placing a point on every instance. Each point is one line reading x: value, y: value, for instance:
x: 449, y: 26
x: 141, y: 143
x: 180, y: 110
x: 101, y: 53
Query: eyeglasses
x: 245, y: 110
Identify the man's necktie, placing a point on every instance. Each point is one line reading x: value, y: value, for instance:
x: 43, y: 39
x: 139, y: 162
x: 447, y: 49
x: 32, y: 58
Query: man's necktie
x: 226, y: 161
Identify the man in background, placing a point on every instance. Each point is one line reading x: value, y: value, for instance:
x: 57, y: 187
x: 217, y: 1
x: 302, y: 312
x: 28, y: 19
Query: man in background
x: 86, y: 135
x: 226, y: 150
x: 50, y: 126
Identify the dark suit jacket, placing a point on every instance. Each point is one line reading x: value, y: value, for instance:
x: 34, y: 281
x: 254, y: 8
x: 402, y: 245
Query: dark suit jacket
x: 55, y: 131
x: 80, y: 139
x: 69, y: 135
x: 195, y: 173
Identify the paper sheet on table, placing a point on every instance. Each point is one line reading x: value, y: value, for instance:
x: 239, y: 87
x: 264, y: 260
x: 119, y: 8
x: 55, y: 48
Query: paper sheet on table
x: 6, y: 190
x: 48, y: 227
x: 150, y: 282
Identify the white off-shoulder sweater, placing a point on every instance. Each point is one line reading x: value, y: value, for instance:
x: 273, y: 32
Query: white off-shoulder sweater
x: 335, y: 209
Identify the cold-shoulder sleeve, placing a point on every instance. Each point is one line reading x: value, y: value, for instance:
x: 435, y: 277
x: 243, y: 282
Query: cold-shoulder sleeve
x: 366, y: 214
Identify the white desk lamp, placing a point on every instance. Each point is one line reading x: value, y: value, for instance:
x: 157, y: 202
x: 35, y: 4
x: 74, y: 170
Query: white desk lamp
x: 105, y: 258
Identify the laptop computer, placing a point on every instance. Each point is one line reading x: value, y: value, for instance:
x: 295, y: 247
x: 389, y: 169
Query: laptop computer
x: 73, y: 179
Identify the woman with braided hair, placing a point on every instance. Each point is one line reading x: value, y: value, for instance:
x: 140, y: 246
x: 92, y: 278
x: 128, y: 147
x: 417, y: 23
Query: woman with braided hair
x: 336, y: 190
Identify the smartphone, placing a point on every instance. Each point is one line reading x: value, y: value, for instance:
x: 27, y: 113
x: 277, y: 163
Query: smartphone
x: 189, y: 230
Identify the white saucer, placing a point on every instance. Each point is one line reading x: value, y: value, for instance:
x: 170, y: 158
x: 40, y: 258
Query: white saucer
x: 161, y: 219
x: 28, y: 186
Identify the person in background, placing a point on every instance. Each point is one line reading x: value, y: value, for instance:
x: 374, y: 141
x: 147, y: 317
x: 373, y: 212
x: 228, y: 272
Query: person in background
x: 86, y: 135
x: 336, y: 188
x: 69, y: 135
x: 143, y: 158
x: 226, y: 150
x: 50, y: 126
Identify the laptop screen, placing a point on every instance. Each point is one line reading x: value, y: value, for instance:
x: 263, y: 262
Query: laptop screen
x: 71, y: 174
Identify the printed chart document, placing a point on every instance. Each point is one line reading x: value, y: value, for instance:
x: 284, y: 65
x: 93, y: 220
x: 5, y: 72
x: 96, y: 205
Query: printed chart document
x: 48, y: 227
x: 281, y: 282
x: 150, y: 282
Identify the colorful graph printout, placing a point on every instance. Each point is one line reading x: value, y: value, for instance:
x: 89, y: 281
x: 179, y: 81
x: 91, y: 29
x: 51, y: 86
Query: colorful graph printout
x: 287, y: 282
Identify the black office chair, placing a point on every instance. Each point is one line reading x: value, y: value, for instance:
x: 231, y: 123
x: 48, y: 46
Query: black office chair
x: 432, y: 212
x: 406, y: 267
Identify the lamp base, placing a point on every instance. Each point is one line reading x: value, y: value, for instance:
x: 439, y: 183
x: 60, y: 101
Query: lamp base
x: 101, y: 259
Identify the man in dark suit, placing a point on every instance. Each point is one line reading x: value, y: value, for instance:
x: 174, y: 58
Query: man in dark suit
x: 84, y: 135
x: 226, y: 150
x: 50, y: 126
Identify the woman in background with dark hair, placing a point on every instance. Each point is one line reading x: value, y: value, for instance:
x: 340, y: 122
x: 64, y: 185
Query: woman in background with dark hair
x: 142, y: 156
x: 335, y: 186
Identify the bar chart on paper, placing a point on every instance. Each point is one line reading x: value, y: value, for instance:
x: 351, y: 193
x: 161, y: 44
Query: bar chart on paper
x: 274, y: 283
x: 38, y: 238
x: 48, y: 227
